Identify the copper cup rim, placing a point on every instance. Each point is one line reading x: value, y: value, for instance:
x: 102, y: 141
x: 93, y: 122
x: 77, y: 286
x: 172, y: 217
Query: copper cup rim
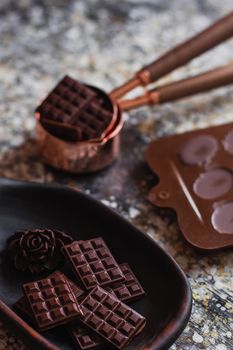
x: 112, y: 133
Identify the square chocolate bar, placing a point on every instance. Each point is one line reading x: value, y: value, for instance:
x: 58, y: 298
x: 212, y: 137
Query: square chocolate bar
x: 93, y: 263
x: 109, y: 317
x: 51, y: 301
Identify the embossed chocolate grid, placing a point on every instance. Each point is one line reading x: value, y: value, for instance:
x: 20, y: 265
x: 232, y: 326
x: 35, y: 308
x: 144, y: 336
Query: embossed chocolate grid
x: 128, y: 290
x: 76, y: 290
x: 111, y: 318
x: 51, y: 301
x: 84, y: 338
x: 93, y: 263
x: 74, y: 109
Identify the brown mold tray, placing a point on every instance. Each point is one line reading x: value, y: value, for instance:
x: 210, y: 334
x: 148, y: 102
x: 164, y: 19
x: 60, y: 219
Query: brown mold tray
x: 195, y: 171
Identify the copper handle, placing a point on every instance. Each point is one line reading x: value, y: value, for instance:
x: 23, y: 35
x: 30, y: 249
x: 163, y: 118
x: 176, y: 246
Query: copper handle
x: 180, y: 55
x: 203, y: 82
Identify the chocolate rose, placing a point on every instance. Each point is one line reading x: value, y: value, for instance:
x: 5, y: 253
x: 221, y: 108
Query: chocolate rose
x: 37, y: 249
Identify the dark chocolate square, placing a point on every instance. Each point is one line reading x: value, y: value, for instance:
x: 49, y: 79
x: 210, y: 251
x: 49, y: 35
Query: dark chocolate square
x: 51, y: 301
x: 93, y: 263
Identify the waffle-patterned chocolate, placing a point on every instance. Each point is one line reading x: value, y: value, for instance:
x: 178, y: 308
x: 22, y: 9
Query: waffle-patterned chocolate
x: 85, y: 339
x: 93, y: 263
x: 94, y: 316
x: 76, y: 290
x: 109, y: 317
x: 130, y: 289
x: 74, y: 112
x: 196, y: 180
x: 51, y: 301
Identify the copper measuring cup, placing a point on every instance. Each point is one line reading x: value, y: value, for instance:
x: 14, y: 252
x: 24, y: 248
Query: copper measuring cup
x: 88, y: 156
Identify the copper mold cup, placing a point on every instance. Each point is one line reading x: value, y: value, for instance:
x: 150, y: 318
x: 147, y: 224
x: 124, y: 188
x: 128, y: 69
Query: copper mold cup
x: 81, y: 157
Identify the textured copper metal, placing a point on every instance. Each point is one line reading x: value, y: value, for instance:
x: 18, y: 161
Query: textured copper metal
x: 80, y: 157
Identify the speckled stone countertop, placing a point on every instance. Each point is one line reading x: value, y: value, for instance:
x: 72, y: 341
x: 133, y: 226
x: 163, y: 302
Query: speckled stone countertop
x: 103, y: 42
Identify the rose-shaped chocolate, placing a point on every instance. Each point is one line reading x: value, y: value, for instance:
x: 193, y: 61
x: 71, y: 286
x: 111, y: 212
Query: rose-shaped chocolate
x: 37, y: 250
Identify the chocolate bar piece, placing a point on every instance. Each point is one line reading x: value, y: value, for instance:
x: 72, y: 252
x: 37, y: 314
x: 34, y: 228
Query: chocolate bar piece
x: 109, y: 317
x: 93, y: 263
x: 130, y: 289
x: 22, y: 306
x: 51, y: 301
x: 77, y: 291
x: 84, y: 338
x: 74, y: 112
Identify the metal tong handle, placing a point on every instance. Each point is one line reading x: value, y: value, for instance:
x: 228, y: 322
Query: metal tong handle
x: 200, y: 83
x: 180, y: 55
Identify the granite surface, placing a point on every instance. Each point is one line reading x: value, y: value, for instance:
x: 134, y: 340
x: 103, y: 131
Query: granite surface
x: 103, y: 42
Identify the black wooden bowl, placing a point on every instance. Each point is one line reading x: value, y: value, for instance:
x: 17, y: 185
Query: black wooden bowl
x: 168, y: 302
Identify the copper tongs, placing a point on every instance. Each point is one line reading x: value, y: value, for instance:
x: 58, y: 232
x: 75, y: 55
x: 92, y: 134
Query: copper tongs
x: 177, y: 57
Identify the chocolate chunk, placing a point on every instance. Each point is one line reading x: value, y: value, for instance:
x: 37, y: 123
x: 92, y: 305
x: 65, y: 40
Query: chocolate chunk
x: 213, y: 183
x: 198, y: 150
x: 93, y: 263
x: 84, y: 338
x: 222, y: 218
x: 37, y: 250
x: 74, y: 112
x: 109, y: 317
x: 51, y: 301
x: 130, y: 289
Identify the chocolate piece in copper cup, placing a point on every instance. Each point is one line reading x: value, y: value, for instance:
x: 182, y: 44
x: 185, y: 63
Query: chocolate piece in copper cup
x: 81, y: 157
x: 76, y: 112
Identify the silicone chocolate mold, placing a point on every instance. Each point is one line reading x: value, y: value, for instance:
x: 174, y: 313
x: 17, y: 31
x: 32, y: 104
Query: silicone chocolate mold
x: 195, y: 171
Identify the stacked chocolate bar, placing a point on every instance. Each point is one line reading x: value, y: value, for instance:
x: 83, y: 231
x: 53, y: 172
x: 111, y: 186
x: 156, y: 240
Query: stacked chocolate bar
x: 92, y: 305
x: 75, y: 112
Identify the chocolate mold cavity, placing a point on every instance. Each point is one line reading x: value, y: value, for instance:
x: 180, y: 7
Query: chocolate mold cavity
x: 228, y: 142
x: 222, y: 218
x: 198, y: 150
x: 213, y: 183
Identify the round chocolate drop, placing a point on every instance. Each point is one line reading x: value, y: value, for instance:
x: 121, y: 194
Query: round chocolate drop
x: 222, y: 218
x: 213, y: 183
x: 200, y: 149
x: 228, y: 142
